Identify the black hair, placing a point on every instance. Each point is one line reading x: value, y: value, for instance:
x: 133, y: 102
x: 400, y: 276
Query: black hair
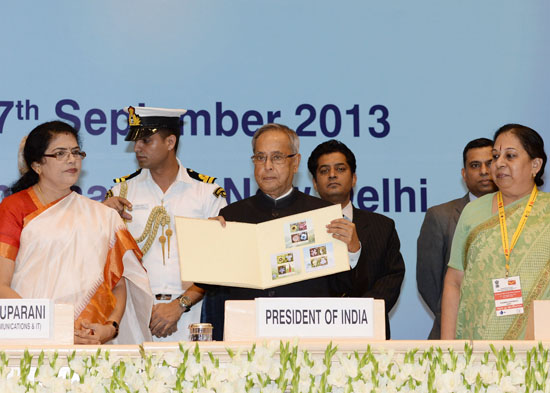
x: 331, y: 146
x: 37, y: 142
x: 166, y: 132
x: 532, y: 143
x: 475, y: 144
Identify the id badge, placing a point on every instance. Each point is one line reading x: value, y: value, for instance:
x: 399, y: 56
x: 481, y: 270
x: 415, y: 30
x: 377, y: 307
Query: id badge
x: 508, y: 297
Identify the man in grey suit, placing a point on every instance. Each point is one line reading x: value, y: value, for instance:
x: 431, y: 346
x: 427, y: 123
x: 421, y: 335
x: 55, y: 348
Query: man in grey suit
x: 438, y: 228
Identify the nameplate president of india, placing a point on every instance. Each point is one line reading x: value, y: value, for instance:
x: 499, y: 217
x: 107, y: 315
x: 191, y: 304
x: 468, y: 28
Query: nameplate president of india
x: 276, y: 160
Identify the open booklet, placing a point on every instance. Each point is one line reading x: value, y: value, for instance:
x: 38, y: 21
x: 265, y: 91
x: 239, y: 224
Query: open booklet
x: 265, y: 255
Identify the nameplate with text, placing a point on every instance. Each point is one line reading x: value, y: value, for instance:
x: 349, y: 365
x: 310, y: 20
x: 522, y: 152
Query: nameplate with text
x: 315, y: 317
x: 26, y: 318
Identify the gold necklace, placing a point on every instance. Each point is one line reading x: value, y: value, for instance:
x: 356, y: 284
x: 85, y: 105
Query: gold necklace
x: 45, y: 200
x: 41, y: 193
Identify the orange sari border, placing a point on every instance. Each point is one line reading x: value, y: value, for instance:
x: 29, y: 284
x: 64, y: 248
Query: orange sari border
x: 39, y: 207
x: 103, y: 301
x: 8, y: 251
x: 127, y: 240
x: 100, y: 306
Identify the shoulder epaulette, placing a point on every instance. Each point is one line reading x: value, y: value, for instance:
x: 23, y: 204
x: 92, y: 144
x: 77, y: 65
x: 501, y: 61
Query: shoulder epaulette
x: 220, y: 192
x: 200, y: 176
x: 108, y: 194
x: 127, y: 177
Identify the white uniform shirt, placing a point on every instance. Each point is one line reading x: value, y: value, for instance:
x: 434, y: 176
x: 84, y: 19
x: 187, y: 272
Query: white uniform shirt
x: 186, y: 197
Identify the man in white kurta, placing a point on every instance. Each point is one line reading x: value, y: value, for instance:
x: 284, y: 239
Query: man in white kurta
x: 164, y: 186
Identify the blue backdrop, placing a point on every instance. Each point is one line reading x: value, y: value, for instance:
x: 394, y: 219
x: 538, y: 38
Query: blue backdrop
x: 405, y: 84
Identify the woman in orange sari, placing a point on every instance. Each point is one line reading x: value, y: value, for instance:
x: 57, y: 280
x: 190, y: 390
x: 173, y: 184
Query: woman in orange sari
x: 57, y: 244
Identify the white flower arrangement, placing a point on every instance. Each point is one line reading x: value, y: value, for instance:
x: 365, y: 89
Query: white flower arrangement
x: 280, y: 367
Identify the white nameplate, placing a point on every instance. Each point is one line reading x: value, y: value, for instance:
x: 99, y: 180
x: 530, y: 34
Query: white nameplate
x: 26, y: 318
x: 315, y: 317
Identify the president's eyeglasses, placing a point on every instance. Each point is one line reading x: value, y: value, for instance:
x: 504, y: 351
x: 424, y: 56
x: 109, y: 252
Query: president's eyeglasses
x: 276, y: 159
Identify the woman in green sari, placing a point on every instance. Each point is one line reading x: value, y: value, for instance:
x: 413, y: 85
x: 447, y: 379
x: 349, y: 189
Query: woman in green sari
x: 500, y: 256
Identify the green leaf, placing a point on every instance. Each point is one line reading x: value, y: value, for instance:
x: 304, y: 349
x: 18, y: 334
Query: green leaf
x: 197, y: 353
x: 251, y: 353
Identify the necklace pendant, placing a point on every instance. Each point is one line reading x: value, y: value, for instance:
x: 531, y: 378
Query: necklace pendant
x: 169, y: 233
x: 162, y: 240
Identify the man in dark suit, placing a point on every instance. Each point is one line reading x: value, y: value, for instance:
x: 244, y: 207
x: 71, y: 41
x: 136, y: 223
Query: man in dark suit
x: 380, y: 269
x: 436, y: 234
x: 276, y: 159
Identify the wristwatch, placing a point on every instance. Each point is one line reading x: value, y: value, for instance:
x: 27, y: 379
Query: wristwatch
x: 115, y: 325
x: 184, y: 302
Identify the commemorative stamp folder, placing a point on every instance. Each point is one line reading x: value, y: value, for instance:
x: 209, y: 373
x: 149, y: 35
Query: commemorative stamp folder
x: 265, y: 255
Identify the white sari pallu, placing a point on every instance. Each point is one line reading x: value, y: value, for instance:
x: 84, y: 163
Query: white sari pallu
x: 75, y: 252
